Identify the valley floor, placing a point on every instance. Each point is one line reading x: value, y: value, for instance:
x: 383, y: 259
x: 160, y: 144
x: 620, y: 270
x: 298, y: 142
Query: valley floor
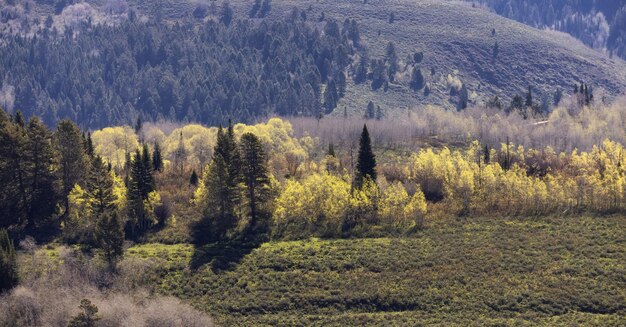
x: 536, y: 271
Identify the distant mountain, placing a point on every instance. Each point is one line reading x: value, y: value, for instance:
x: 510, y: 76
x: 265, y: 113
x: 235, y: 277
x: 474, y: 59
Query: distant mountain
x: 600, y: 24
x: 109, y: 62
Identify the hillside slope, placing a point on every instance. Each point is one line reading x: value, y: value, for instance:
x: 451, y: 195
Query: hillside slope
x: 457, y: 40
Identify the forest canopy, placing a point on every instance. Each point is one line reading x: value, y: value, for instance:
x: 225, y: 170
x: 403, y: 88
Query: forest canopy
x: 191, y: 70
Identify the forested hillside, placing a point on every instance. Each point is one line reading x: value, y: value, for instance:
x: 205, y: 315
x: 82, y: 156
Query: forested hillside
x: 190, y: 71
x: 598, y: 24
x: 243, y: 60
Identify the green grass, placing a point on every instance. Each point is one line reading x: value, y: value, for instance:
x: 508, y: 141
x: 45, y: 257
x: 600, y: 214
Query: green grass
x: 556, y: 271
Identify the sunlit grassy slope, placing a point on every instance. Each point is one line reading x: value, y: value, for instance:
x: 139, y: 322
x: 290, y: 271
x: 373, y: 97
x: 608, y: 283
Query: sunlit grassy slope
x: 557, y: 271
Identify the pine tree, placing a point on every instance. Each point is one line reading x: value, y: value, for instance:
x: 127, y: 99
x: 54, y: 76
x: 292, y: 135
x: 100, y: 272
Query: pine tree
x: 146, y: 160
x: 14, y: 193
x: 109, y: 236
x: 227, y: 13
x: 255, y: 177
x: 417, y: 79
x: 87, y: 317
x: 99, y: 188
x: 41, y: 163
x: 73, y: 159
x: 221, y: 182
x: 529, y: 98
x: 89, y: 146
x: 18, y: 118
x: 331, y: 150
x: 193, y: 180
x: 219, y: 204
x: 371, y: 111
x: 366, y: 164
x: 157, y: 158
x: 139, y: 189
x: 8, y: 262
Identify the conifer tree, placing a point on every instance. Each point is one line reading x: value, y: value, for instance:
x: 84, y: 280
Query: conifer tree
x: 18, y: 118
x: 146, y: 160
x: 41, y: 163
x: 99, y: 188
x: 14, y: 195
x: 141, y: 183
x: 73, y: 159
x: 221, y: 183
x: 157, y: 158
x: 109, y: 236
x: 366, y: 164
x: 8, y: 262
x: 87, y: 317
x: 255, y: 177
x: 89, y: 146
x: 193, y: 179
x: 529, y: 98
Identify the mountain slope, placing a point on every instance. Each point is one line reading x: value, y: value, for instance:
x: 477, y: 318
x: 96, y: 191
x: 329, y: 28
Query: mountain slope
x: 457, y: 40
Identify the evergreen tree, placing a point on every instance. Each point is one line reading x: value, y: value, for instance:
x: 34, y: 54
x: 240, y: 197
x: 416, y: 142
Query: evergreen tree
x: 73, y: 159
x: 18, y: 118
x: 87, y: 317
x: 193, y: 180
x: 227, y: 13
x: 147, y: 168
x: 331, y: 150
x: 366, y: 162
x: 14, y: 193
x: 157, y: 158
x: 463, y: 98
x: 220, y: 202
x: 89, y: 146
x: 109, y: 236
x: 255, y: 177
x: 371, y: 110
x: 529, y: 98
x: 486, y: 154
x: 139, y: 188
x: 417, y: 79
x: 99, y: 188
x: 221, y: 183
x: 41, y: 162
x: 8, y: 262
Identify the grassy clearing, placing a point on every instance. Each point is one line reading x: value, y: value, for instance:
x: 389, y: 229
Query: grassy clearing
x: 557, y: 271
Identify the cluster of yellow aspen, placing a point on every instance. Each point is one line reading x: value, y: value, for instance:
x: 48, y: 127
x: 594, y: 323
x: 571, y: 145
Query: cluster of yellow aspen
x: 317, y: 197
x: 516, y: 181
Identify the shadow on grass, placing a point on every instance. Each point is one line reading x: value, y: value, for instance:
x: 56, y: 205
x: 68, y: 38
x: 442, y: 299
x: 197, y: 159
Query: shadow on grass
x: 221, y: 256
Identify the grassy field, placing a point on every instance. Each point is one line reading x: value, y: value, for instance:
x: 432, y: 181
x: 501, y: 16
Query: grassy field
x: 556, y: 271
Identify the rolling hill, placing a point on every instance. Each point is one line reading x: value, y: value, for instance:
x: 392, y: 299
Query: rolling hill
x: 457, y: 41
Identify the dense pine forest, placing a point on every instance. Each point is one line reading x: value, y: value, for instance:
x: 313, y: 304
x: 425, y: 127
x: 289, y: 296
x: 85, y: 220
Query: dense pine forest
x: 191, y: 71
